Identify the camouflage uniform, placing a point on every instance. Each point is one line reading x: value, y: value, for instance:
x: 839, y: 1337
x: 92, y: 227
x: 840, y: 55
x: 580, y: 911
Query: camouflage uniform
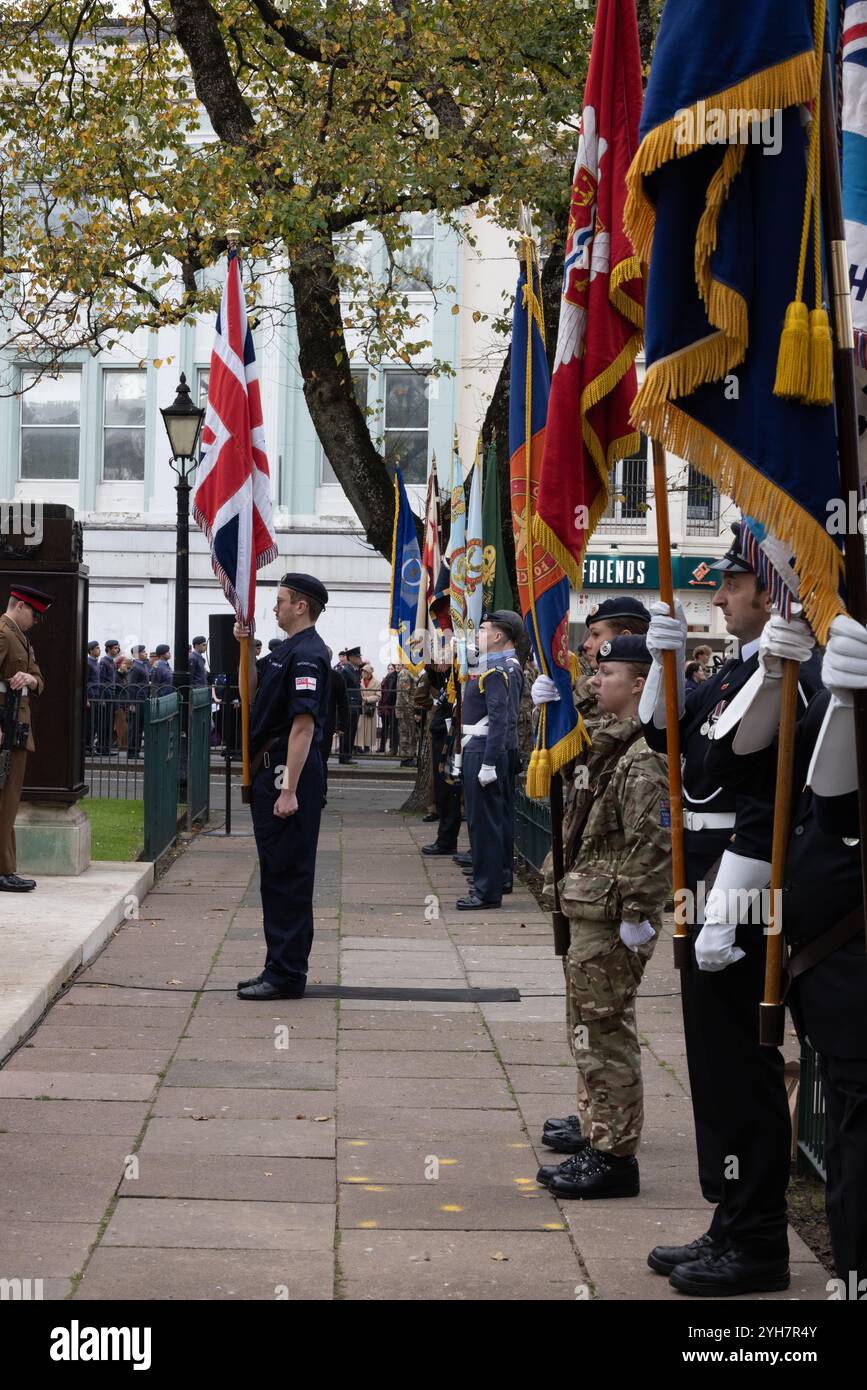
x: 622, y: 873
x: 526, y: 722
x: 406, y: 725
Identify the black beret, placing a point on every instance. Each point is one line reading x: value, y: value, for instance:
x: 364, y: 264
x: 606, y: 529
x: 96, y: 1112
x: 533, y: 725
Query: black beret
x: 163, y: 649
x: 139, y: 649
x: 622, y: 607
x: 275, y: 643
x: 91, y: 645
x: 111, y: 642
x: 306, y: 584
x: 628, y: 647
x: 507, y: 621
x: 734, y: 561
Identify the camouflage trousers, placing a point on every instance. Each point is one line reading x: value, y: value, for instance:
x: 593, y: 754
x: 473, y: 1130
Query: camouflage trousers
x: 602, y: 979
x: 407, y: 731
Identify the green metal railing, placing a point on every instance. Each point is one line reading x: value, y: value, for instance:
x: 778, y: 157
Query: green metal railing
x: 161, y: 773
x: 811, y: 1112
x: 199, y: 755
x: 532, y: 829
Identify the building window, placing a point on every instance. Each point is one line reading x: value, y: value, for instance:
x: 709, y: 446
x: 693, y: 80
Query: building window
x: 123, y: 426
x: 406, y: 424
x: 354, y: 249
x: 627, y: 494
x: 359, y: 385
x: 50, y: 425
x: 414, y: 266
x: 204, y: 376
x: 702, y: 505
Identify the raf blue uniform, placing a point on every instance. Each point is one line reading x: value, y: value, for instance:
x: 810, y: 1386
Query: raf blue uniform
x: 486, y: 696
x: 93, y: 694
x: 516, y: 690
x: 198, y: 669
x: 106, y: 693
x: 161, y: 677
x: 292, y: 680
x: 138, y: 684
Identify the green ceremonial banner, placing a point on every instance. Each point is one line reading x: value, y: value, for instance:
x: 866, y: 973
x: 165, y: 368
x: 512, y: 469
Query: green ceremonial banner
x: 497, y: 589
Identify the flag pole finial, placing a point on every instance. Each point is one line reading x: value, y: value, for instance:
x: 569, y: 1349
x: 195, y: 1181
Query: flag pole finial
x: 233, y: 235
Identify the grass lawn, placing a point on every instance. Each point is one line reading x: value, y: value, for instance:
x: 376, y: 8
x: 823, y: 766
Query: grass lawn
x: 117, y: 827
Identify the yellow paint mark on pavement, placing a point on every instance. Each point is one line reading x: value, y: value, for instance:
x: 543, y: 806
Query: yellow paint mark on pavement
x: 450, y: 1206
x: 553, y: 1226
x: 367, y: 1225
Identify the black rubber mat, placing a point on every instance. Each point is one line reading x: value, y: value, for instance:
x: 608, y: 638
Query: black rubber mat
x: 421, y: 996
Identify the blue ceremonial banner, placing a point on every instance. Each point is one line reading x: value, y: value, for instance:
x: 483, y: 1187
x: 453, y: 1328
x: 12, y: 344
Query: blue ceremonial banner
x: 405, y: 577
x: 543, y: 588
x: 723, y: 207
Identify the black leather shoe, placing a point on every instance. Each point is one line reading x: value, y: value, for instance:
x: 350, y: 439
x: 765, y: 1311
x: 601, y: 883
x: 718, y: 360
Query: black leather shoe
x: 564, y: 1141
x: 253, y: 980
x: 665, y: 1258
x: 554, y: 1170
x: 11, y: 883
x: 467, y: 870
x: 407, y: 762
x: 471, y: 903
x: 507, y: 887
x: 597, y: 1175
x: 732, y: 1272
x: 434, y: 849
x: 264, y: 991
x: 430, y: 818
x: 463, y: 858
x: 566, y: 1122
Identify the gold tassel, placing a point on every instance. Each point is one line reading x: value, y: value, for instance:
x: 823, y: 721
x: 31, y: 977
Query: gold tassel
x: 793, y: 363
x: 820, y: 388
x: 538, y: 784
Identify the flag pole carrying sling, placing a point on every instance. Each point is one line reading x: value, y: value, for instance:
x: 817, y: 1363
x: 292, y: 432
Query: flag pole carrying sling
x: 772, y: 1010
x: 244, y: 688
x: 847, y: 414
x: 672, y: 716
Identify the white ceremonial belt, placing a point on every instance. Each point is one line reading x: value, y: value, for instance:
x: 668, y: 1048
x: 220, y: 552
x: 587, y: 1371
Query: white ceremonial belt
x: 708, y: 820
x: 3, y: 687
x: 473, y: 731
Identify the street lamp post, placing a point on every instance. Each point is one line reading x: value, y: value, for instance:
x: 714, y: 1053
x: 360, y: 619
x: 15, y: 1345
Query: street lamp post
x: 183, y: 422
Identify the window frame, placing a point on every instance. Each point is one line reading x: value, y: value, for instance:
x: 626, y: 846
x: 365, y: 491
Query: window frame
x: 105, y: 372
x: 69, y: 370
x: 390, y: 373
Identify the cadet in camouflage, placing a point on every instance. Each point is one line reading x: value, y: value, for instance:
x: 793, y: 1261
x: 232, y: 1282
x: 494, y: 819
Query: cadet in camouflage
x: 405, y: 713
x: 614, y: 897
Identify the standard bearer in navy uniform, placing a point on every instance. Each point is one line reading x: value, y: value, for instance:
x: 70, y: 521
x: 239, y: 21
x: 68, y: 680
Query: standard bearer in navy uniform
x: 198, y: 667
x: 822, y: 908
x: 487, y: 759
x: 289, y: 689
x: 739, y: 1100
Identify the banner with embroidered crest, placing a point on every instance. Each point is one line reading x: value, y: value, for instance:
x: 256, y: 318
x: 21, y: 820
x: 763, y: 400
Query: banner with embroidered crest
x: 723, y: 208
x: 406, y: 576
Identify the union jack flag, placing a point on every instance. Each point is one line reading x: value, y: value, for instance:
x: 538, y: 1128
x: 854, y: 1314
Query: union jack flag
x: 232, y: 501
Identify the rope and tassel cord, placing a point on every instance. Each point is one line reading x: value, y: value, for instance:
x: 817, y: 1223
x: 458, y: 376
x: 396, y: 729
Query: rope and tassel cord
x: 804, y: 356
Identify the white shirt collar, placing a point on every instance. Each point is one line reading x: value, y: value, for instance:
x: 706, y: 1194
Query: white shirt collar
x: 748, y: 649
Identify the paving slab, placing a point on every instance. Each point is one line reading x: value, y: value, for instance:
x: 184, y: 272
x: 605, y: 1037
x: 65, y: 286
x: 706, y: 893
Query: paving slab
x: 75, y: 1086
x: 148, y: 1060
x: 206, y: 1275
x: 42, y: 1117
x: 458, y: 1266
x: 257, y: 1103
x: 283, y: 1072
x: 45, y: 1249
x: 459, y: 1160
x: 461, y: 1207
x: 199, y: 1225
x: 436, y: 1064
x: 229, y: 1177
x: 258, y: 1138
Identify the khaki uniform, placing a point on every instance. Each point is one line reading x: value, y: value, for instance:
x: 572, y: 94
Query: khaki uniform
x: 16, y: 654
x: 405, y: 713
x: 622, y: 872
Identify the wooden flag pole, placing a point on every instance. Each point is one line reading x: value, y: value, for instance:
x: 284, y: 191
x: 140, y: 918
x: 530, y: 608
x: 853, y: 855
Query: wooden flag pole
x: 772, y: 1010
x: 847, y: 414
x: 244, y: 687
x: 672, y: 715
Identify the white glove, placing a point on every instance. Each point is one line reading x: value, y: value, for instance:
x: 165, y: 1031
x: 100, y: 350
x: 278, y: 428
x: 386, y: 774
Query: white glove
x: 487, y: 774
x: 784, y: 641
x: 448, y: 724
x: 666, y: 634
x: 544, y: 690
x: 715, y: 946
x: 669, y: 635
x: 844, y: 668
x: 635, y: 934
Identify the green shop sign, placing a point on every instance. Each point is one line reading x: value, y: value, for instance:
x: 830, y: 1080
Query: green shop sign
x: 617, y: 571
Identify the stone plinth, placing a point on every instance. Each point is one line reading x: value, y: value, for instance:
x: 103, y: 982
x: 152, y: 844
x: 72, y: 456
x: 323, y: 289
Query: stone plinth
x: 52, y: 839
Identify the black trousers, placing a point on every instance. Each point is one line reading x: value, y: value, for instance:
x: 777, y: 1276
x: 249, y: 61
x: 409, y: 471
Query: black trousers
x: 845, y: 1084
x: 287, y: 867
x: 347, y: 738
x: 446, y: 796
x: 743, y: 1131
x: 485, y: 808
x: 509, y: 817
